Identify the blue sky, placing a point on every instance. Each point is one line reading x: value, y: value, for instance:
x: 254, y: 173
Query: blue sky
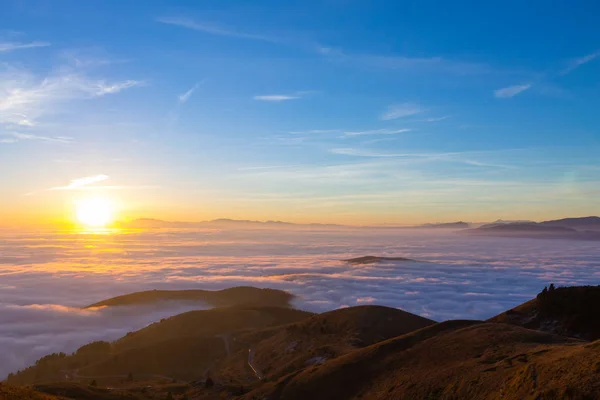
x: 334, y: 111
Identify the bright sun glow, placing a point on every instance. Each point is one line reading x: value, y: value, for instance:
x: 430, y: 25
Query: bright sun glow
x: 94, y: 212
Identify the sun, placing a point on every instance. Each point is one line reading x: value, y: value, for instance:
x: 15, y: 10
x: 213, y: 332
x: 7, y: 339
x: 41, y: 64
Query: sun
x: 94, y: 212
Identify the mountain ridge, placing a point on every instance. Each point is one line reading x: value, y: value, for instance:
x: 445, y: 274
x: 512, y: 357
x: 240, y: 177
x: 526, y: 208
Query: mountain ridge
x: 584, y: 228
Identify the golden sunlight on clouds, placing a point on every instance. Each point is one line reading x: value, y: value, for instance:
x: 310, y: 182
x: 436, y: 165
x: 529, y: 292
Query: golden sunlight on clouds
x: 94, y: 212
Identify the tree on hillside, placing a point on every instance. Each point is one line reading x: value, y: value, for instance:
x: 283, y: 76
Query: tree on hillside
x: 552, y: 288
x: 94, y: 383
x: 209, y: 383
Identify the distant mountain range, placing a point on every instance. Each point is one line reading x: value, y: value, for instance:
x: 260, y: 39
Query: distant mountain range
x: 507, y: 222
x: 585, y: 228
x: 151, y: 223
x: 547, y: 348
x: 446, y: 225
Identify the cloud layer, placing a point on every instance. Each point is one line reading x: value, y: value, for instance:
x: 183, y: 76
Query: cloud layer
x: 44, y: 278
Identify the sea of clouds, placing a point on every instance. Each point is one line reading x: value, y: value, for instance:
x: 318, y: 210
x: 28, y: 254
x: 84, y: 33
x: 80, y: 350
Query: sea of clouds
x: 45, y: 278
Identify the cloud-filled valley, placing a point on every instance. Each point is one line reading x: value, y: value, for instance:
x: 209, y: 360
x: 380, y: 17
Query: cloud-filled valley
x: 46, y: 277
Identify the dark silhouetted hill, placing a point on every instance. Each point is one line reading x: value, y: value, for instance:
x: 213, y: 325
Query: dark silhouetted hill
x: 568, y: 311
x: 375, y: 259
x: 527, y: 227
x: 584, y: 223
x: 241, y: 295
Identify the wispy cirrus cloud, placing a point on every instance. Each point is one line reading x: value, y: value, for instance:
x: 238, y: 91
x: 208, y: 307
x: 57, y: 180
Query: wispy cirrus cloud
x: 429, y: 64
x: 577, y: 62
x: 377, y: 132
x: 511, y: 91
x: 315, y: 131
x: 77, y: 184
x: 277, y: 97
x: 17, y: 137
x: 81, y: 182
x: 544, y: 87
x: 184, y: 97
x: 347, y: 151
x: 90, y: 58
x: 101, y: 88
x: 433, y: 64
x: 25, y: 97
x: 213, y: 29
x: 436, y: 119
x: 466, y: 157
x: 266, y: 167
x: 11, y: 46
x: 395, y: 111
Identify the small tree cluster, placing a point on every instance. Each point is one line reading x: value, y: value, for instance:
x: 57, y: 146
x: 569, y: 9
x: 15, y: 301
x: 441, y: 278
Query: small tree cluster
x: 546, y: 290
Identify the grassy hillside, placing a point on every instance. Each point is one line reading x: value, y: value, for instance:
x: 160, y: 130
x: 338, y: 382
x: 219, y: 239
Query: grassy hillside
x: 10, y: 392
x: 284, y: 349
x: 241, y: 295
x: 182, y: 358
x: 182, y: 347
x: 210, y: 323
x: 365, y: 352
x: 85, y: 392
x: 568, y: 311
x: 452, y: 360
